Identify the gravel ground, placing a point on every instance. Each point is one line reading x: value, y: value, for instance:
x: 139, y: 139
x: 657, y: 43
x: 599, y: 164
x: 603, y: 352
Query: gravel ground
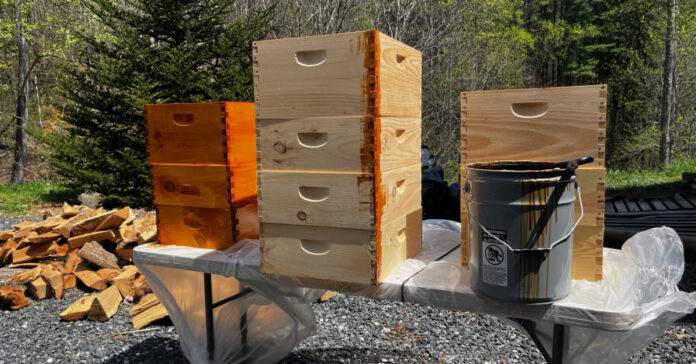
x: 350, y: 329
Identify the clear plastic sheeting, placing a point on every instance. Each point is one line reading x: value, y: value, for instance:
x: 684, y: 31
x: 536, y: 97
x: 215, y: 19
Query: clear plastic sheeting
x: 609, y: 320
x: 261, y: 326
x: 640, y: 278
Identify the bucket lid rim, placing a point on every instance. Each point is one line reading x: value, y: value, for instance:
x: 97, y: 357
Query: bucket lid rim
x: 551, y: 168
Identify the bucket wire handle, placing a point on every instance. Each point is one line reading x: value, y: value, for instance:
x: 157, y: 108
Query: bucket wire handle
x: 582, y: 213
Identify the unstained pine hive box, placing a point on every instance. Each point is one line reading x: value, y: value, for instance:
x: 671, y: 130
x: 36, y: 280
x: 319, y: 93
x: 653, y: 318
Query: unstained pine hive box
x: 338, y: 120
x: 202, y: 160
x: 544, y: 124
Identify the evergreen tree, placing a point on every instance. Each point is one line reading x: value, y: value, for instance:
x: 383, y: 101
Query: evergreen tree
x: 152, y: 51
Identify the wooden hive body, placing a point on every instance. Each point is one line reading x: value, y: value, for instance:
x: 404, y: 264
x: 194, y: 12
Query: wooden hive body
x: 548, y: 124
x: 339, y: 156
x: 202, y: 160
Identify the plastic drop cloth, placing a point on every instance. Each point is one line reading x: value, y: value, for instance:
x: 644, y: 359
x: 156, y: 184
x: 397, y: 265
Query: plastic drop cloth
x: 274, y: 318
x: 610, y: 320
x: 642, y: 279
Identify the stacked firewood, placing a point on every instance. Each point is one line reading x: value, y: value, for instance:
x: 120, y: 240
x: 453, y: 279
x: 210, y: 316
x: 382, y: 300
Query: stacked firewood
x: 77, y: 244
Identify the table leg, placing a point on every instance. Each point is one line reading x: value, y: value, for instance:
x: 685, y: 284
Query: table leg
x: 559, y: 353
x: 209, y: 328
x: 243, y: 328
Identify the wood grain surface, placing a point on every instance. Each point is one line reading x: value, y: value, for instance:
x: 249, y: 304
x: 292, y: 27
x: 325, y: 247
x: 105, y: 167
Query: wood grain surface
x: 345, y: 255
x: 195, y: 227
x: 190, y: 185
x: 186, y: 133
x: 342, y: 144
x: 347, y: 74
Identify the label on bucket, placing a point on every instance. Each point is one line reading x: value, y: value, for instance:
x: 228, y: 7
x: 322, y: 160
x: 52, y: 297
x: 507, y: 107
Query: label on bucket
x: 494, y: 269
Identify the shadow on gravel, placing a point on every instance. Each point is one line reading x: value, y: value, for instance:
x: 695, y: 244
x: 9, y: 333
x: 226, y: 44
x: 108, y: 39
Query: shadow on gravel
x: 358, y: 355
x: 151, y: 350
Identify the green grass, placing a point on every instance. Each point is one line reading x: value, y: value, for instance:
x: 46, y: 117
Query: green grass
x: 16, y: 200
x: 666, y: 178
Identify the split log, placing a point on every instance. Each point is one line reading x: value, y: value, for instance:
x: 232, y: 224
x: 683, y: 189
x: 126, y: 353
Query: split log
x: 26, y: 276
x: 143, y: 223
x: 24, y: 265
x: 125, y: 280
x: 69, y: 281
x: 94, y: 253
x: 124, y: 250
x: 48, y: 224
x: 39, y: 288
x: 21, y: 233
x: 44, y: 238
x: 6, y: 235
x: 72, y: 262
x: 128, y: 233
x: 148, y: 235
x: 55, y: 279
x: 13, y: 297
x: 68, y: 211
x: 148, y: 310
x: 23, y: 224
x: 77, y: 241
x: 82, y: 215
x: 90, y: 225
x: 6, y: 251
x: 140, y: 286
x: 116, y: 219
x: 327, y: 296
x: 89, y: 278
x: 105, y: 305
x: 62, y: 229
x: 62, y: 249
x: 108, y: 274
x: 78, y: 310
x: 33, y: 251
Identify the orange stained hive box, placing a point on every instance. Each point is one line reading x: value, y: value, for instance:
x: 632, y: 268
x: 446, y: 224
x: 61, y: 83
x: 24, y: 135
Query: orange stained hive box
x: 339, y: 156
x: 202, y: 159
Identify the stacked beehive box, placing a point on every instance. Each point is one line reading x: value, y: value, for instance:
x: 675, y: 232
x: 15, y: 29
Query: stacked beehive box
x: 203, y: 167
x: 549, y: 124
x: 338, y: 120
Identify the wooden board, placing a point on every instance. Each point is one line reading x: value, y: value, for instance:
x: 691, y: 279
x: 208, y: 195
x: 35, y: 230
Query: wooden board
x: 502, y: 125
x: 336, y: 75
x: 343, y: 144
x: 588, y: 242
x: 549, y: 124
x: 191, y: 185
x: 186, y: 133
x: 340, y: 255
x: 315, y: 252
x: 344, y: 200
x: 399, y: 75
x: 240, y: 140
x: 398, y: 240
x: 195, y: 226
x: 591, y: 182
x: 317, y: 199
